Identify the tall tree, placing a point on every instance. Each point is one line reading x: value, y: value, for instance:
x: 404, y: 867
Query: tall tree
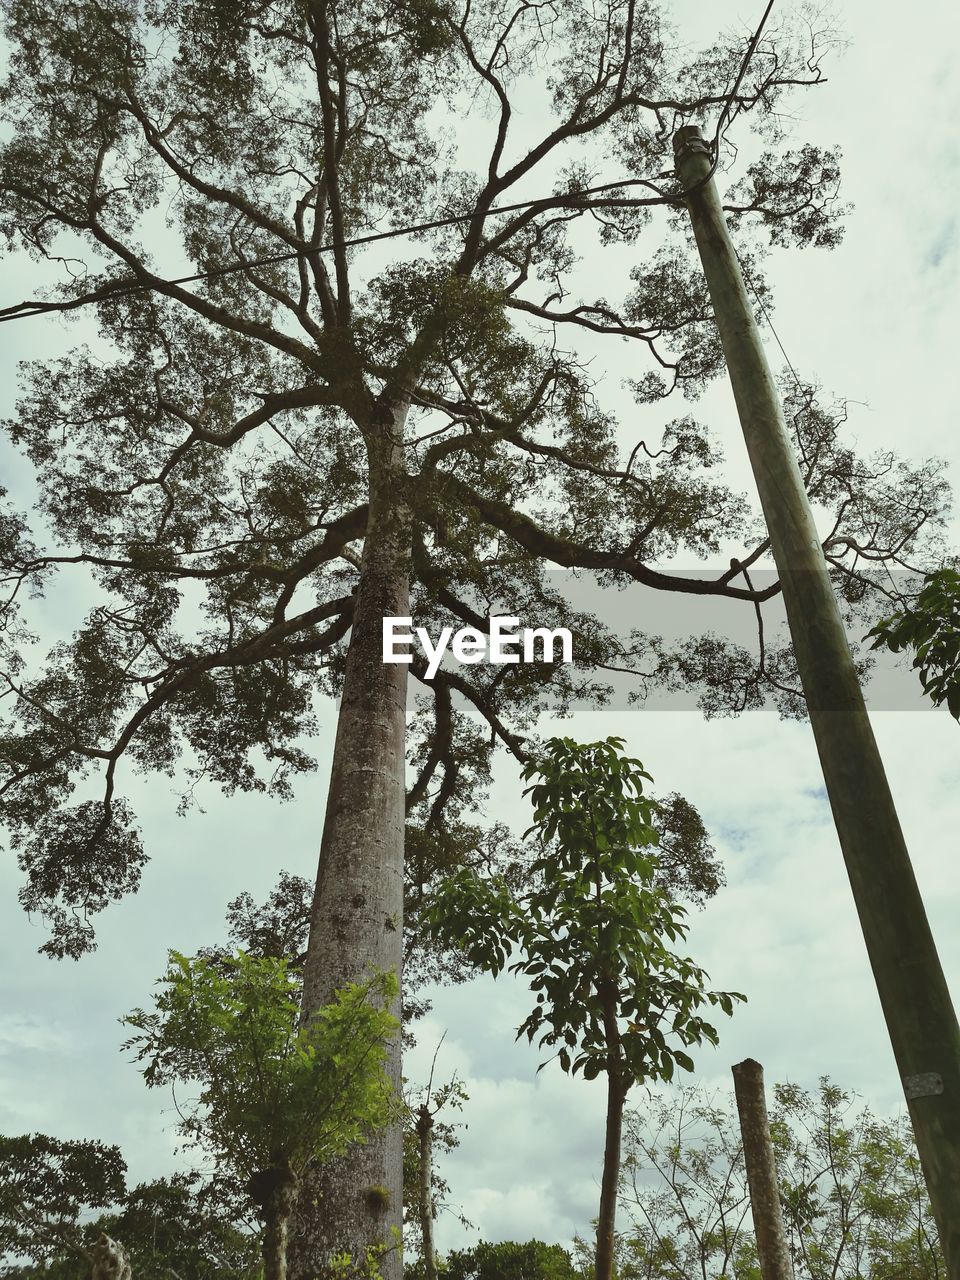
x: 294, y: 437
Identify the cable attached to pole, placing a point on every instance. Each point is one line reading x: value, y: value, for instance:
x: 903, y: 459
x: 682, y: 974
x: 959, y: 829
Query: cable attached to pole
x: 714, y: 151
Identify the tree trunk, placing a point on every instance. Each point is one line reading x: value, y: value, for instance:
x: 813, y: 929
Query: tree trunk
x: 275, y: 1190
x: 772, y: 1248
x: 609, y: 1184
x: 425, y: 1205
x: 354, y: 1203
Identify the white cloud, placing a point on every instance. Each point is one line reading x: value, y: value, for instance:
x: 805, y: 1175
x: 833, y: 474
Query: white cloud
x: 30, y: 1035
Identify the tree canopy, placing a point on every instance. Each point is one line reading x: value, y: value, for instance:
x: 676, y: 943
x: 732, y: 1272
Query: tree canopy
x: 853, y: 1196
x: 275, y: 1096
x: 203, y: 452
x: 47, y: 1185
x: 168, y: 1228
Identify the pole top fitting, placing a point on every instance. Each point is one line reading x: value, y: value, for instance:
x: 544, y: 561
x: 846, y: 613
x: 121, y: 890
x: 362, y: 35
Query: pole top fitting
x: 689, y: 138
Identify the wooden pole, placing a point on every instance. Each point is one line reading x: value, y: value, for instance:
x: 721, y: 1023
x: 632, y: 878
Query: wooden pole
x: 761, y: 1169
x: 913, y: 993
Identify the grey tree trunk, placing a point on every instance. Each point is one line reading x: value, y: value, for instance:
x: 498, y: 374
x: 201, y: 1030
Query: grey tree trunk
x: 355, y: 1202
x: 772, y: 1248
x: 425, y: 1205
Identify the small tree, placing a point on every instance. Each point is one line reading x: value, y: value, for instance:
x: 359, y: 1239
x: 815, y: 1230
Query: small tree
x: 275, y: 1097
x: 593, y: 936
x: 423, y: 1187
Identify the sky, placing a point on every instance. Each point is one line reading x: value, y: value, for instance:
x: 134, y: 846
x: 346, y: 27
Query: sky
x: 876, y: 321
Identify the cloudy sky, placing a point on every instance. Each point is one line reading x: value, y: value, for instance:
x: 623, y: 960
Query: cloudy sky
x: 876, y: 321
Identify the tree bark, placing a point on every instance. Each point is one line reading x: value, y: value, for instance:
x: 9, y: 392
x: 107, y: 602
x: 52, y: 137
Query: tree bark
x: 353, y: 1203
x: 609, y: 1183
x: 425, y: 1205
x: 276, y: 1191
x: 772, y: 1248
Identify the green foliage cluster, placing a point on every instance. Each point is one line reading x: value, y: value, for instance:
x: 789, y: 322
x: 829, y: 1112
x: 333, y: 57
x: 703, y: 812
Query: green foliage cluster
x: 170, y: 1227
x: 46, y: 1183
x: 931, y: 628
x: 174, y: 1224
x: 272, y: 1092
x: 505, y: 1260
x: 594, y: 932
x: 274, y: 1097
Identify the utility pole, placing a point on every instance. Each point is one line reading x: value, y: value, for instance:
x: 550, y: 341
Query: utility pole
x: 772, y: 1249
x: 913, y: 993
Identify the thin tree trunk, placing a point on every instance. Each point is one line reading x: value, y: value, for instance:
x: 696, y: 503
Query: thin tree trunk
x: 772, y: 1248
x: 275, y: 1248
x: 355, y: 1202
x: 610, y: 1181
x: 425, y: 1205
x: 277, y: 1194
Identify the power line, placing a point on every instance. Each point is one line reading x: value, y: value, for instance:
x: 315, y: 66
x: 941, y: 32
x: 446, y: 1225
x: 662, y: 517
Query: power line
x: 123, y: 288
x: 766, y: 315
x: 751, y: 49
x: 722, y: 118
x: 807, y: 393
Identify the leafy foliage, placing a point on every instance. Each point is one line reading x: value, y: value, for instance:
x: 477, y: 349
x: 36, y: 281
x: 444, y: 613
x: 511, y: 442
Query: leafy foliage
x: 47, y: 1185
x: 505, y: 1260
x: 272, y: 1093
x: 176, y: 1225
x: 687, y: 867
x: 931, y: 628
x: 593, y: 934
x: 168, y: 1228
